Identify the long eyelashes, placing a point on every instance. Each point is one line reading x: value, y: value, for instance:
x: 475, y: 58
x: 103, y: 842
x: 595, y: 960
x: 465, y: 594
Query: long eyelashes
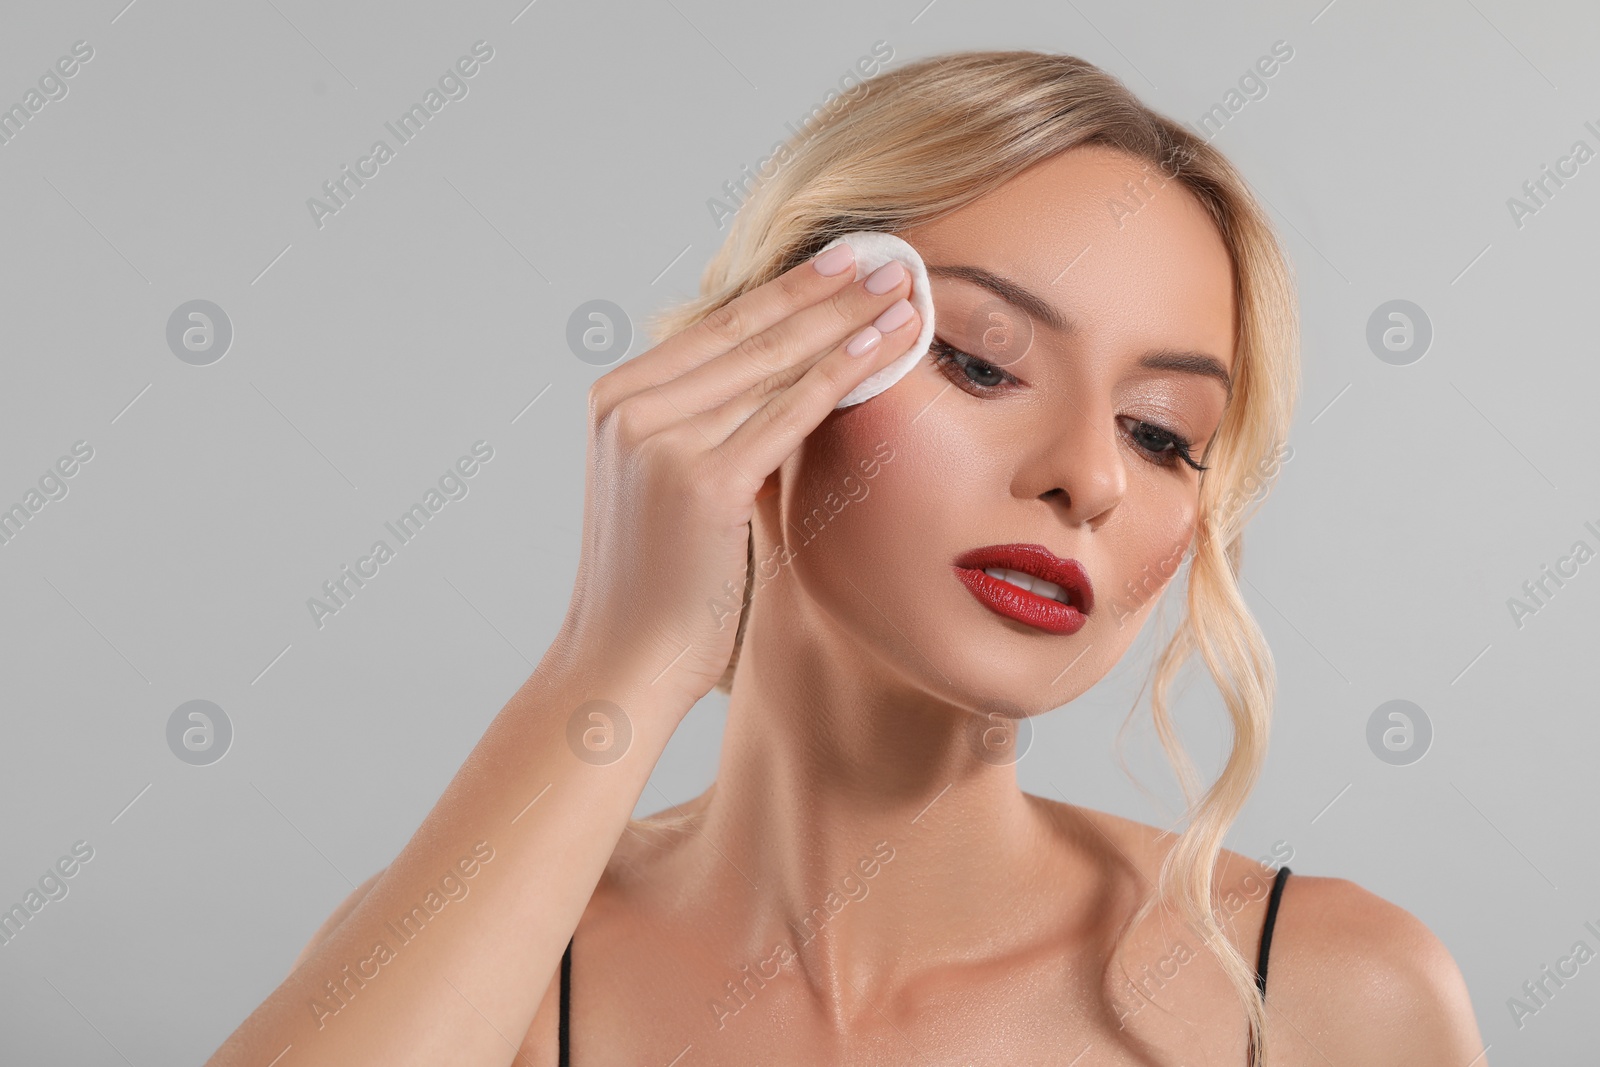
x: 946, y: 355
x: 1166, y: 449
x: 1171, y: 446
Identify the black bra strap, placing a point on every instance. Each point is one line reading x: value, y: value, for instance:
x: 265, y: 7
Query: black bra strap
x: 1266, y: 929
x: 1266, y: 943
x: 563, y: 1038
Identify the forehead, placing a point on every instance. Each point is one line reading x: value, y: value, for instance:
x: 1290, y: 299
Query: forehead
x: 1126, y: 253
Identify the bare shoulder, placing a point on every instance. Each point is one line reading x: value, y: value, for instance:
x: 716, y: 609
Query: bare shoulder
x: 1352, y: 977
x: 1358, y: 978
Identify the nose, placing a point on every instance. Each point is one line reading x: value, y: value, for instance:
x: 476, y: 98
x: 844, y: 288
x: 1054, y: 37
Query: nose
x: 1080, y: 466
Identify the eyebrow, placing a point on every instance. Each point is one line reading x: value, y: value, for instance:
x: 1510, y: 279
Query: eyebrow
x: 1183, y: 361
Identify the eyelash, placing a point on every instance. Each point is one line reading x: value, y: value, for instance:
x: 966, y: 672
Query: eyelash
x: 1178, y: 448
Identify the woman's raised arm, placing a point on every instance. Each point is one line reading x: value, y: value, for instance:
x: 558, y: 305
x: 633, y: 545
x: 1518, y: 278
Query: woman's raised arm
x: 446, y: 957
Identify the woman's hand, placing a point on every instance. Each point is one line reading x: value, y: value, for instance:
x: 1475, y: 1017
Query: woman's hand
x: 685, y: 438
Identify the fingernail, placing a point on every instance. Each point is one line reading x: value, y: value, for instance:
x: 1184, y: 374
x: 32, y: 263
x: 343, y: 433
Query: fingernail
x: 834, y: 260
x: 885, y: 277
x: 894, y: 316
x: 864, y: 342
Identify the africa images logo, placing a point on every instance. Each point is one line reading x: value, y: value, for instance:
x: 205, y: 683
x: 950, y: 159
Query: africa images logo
x: 453, y: 485
x: 452, y: 86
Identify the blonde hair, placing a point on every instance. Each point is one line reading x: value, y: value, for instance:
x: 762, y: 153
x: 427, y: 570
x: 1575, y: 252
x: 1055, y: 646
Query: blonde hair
x: 927, y: 138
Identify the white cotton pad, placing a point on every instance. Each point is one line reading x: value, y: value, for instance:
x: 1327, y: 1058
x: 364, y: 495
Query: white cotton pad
x: 874, y: 248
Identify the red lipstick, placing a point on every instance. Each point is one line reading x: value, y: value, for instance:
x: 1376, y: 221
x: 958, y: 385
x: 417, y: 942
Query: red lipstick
x: 1040, y: 608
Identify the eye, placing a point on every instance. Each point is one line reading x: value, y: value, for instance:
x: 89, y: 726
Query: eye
x: 1165, y: 447
x: 969, y: 372
x: 978, y: 377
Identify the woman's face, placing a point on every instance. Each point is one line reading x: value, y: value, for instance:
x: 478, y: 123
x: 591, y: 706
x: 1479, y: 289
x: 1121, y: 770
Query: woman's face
x: 1064, y: 435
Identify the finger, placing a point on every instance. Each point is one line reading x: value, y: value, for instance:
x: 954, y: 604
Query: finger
x: 774, y: 423
x: 895, y: 329
x: 742, y: 317
x: 780, y: 355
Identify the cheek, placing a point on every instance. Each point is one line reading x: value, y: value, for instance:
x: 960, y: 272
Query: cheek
x: 835, y: 504
x: 868, y: 499
x: 1156, y: 532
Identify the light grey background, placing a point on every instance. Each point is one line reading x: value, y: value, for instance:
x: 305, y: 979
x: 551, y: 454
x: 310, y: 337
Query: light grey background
x: 431, y: 312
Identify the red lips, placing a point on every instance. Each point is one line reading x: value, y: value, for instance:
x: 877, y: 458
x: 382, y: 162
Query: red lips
x: 1013, y: 602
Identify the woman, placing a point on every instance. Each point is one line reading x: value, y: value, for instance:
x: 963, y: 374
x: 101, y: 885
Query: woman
x: 865, y: 882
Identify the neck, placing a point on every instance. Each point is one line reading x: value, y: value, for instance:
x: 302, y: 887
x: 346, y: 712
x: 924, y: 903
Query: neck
x: 854, y: 820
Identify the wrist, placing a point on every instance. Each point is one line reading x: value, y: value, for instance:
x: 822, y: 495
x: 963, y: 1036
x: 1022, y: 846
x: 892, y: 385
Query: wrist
x: 634, y: 680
